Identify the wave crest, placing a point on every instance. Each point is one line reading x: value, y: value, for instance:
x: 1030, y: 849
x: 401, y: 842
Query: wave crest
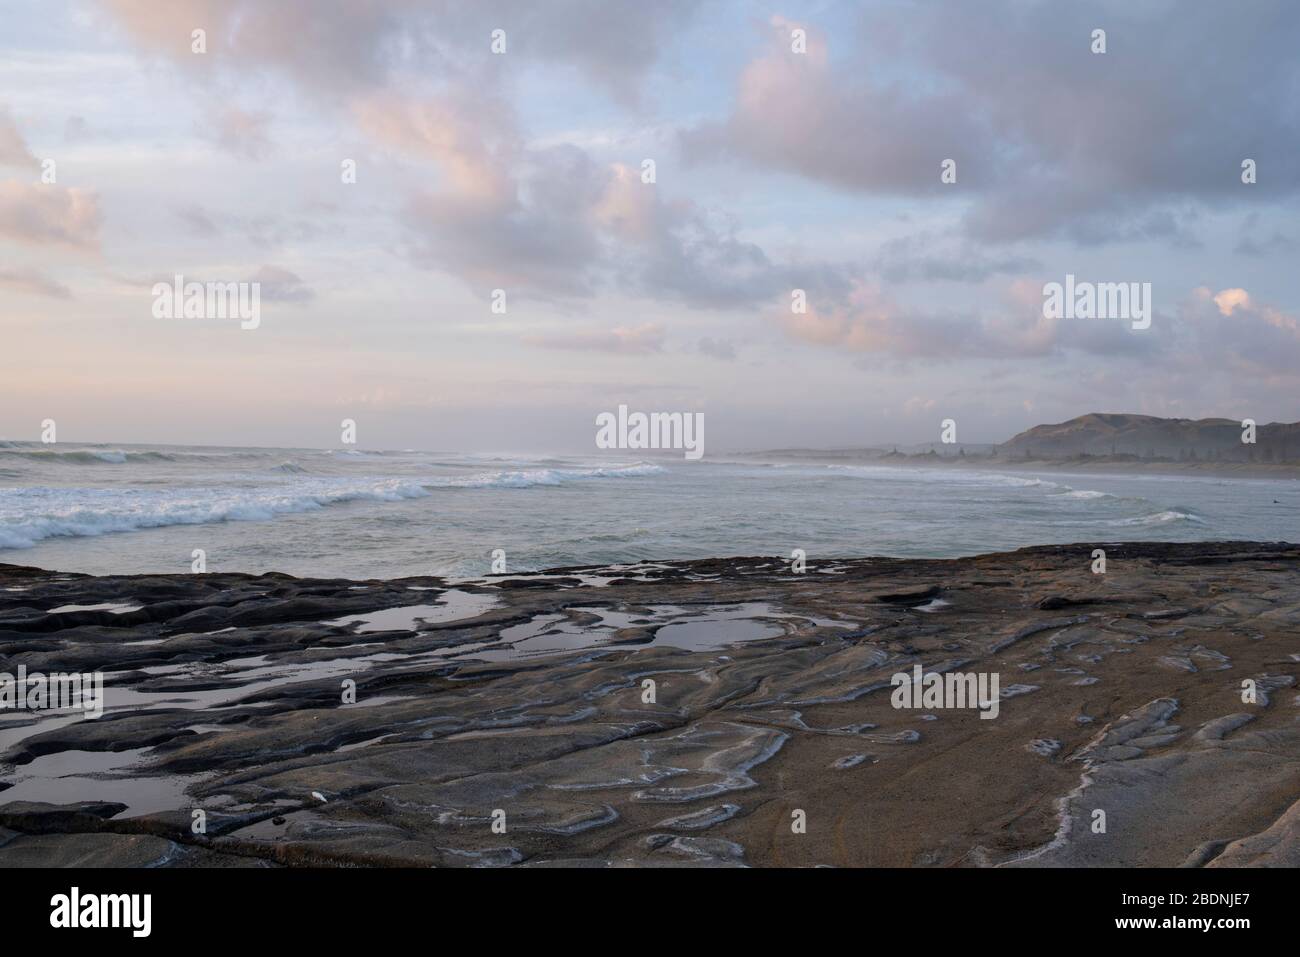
x: 1160, y: 518
x: 31, y: 515
x: 528, y: 478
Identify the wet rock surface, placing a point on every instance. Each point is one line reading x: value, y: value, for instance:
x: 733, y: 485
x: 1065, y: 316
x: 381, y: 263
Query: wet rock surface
x: 666, y: 714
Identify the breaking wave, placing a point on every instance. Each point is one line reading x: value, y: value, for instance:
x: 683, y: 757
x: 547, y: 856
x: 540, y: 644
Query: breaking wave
x: 31, y: 515
x: 528, y: 478
x: 1159, y: 518
x: 16, y: 452
x: 951, y: 476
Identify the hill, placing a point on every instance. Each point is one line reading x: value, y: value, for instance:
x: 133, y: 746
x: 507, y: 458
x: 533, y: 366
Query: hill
x: 1152, y: 437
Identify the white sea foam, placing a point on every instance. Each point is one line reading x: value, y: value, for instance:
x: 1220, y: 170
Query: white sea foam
x: 1159, y: 518
x: 35, y: 454
x: 952, y: 476
x: 68, y: 456
x: 527, y: 478
x: 30, y: 515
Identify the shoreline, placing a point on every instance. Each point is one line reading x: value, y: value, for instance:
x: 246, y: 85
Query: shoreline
x: 772, y: 693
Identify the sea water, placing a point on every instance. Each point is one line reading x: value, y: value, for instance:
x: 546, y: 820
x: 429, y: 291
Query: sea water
x: 370, y: 514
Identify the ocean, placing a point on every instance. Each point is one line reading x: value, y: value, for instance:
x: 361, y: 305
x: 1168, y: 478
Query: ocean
x: 379, y: 514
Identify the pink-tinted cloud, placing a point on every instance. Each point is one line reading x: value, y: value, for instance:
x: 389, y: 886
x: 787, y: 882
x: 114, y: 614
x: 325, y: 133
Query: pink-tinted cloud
x: 799, y: 113
x: 470, y: 137
x: 340, y: 47
x: 1231, y: 330
x: 1010, y: 325
x: 13, y: 148
x: 1049, y: 138
x: 37, y: 214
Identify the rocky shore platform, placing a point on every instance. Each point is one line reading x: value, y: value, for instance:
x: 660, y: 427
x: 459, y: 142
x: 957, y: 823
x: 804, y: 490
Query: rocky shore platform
x: 700, y: 713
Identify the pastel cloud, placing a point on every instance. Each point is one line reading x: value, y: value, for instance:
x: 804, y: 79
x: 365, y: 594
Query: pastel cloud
x: 1063, y: 144
x: 800, y: 113
x: 1230, y: 299
x: 551, y: 221
x: 1252, y: 321
x: 468, y: 136
x: 336, y: 47
x: 1010, y: 325
x: 40, y: 214
x: 13, y: 149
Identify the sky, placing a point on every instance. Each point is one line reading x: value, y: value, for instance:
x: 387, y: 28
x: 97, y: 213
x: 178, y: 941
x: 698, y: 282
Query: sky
x: 798, y: 146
